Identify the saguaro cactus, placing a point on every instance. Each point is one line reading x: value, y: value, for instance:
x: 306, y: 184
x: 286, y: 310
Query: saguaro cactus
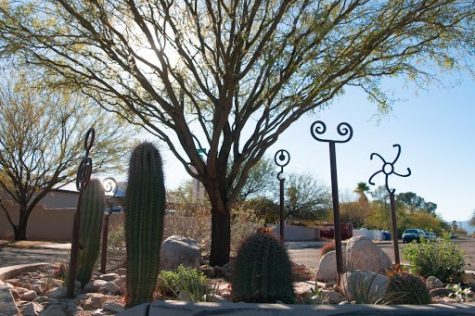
x: 145, y: 209
x: 262, y: 272
x: 92, y: 210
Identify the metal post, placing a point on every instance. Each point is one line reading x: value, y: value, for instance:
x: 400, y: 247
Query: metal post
x: 281, y: 211
x: 105, y: 236
x: 336, y: 211
x: 394, y: 230
x: 82, y: 179
x: 281, y: 159
x: 388, y: 169
x: 344, y: 129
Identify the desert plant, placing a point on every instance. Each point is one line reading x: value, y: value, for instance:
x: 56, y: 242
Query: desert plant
x: 262, y: 272
x: 442, y: 259
x: 405, y: 288
x: 185, y: 283
x: 329, y: 246
x: 362, y: 289
x: 92, y: 209
x: 460, y: 294
x: 145, y: 203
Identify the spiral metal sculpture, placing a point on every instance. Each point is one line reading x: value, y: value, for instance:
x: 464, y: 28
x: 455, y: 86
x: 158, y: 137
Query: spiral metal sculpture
x: 343, y: 129
x: 388, y: 169
x: 110, y: 186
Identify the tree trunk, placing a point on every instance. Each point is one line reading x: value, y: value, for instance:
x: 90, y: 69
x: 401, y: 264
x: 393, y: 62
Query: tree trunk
x: 20, y: 229
x: 220, y: 237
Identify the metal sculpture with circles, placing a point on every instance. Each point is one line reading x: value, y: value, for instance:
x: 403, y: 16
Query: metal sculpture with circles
x: 281, y: 159
x: 345, y: 132
x: 388, y: 169
x: 83, y: 176
x: 110, y: 190
x: 110, y: 186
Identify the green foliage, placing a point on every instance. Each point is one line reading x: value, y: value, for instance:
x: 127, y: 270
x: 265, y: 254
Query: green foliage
x: 404, y: 288
x: 262, y: 272
x: 460, y: 294
x: 92, y: 210
x: 442, y: 259
x: 145, y: 204
x: 329, y: 246
x: 185, y: 283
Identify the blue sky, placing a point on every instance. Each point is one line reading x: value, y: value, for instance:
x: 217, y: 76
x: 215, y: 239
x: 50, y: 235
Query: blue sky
x: 434, y: 126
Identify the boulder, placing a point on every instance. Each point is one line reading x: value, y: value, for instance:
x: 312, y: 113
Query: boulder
x: 326, y: 271
x: 433, y: 283
x: 178, y: 250
x: 332, y: 297
x: 364, y: 284
x: 57, y: 292
x: 110, y: 287
x: 29, y: 296
x: 362, y: 254
x: 109, y: 277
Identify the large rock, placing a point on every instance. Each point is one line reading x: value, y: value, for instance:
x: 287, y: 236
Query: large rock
x: 326, y: 271
x: 178, y: 250
x: 433, y: 283
x: 362, y: 254
x: 32, y: 309
x: 364, y: 285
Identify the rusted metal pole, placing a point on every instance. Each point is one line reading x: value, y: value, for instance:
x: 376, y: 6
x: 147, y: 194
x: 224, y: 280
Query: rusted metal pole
x: 397, y: 261
x: 281, y: 212
x: 105, y: 235
x: 336, y: 212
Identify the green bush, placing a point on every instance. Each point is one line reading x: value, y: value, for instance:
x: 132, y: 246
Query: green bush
x: 441, y: 259
x: 185, y: 283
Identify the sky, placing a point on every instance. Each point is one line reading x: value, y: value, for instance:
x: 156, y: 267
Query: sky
x: 434, y: 126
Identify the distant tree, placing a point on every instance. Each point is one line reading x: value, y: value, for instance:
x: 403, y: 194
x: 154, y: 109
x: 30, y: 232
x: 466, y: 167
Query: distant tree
x: 472, y: 219
x: 415, y: 202
x: 42, y: 142
x: 264, y: 208
x: 305, y: 197
x: 232, y: 75
x: 260, y: 180
x: 361, y: 189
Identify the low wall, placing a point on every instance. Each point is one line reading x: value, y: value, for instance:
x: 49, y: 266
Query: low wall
x: 46, y: 224
x: 297, y: 233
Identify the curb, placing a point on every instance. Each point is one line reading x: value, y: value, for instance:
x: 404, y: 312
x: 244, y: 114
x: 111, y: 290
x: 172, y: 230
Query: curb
x: 11, y: 271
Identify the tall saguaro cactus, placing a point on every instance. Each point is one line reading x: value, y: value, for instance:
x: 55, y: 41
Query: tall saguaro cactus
x: 92, y: 208
x: 145, y: 209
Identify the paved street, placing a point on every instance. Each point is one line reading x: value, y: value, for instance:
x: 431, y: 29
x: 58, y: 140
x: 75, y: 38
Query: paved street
x: 12, y: 256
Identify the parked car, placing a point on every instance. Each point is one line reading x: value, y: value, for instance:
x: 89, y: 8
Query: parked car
x: 413, y: 234
x: 430, y: 236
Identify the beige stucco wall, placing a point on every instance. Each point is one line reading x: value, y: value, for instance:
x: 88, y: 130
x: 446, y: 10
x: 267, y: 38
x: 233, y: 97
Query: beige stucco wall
x: 47, y: 224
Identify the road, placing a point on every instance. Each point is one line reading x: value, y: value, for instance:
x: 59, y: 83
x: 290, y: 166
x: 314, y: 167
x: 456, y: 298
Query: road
x: 12, y: 256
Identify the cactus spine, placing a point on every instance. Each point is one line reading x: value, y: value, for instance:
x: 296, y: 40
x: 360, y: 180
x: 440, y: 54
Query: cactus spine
x: 262, y: 272
x: 92, y: 210
x: 145, y: 209
x: 404, y: 288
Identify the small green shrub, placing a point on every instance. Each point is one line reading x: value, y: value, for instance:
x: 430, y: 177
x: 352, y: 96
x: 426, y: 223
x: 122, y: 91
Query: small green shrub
x: 329, y: 246
x: 441, y: 259
x: 460, y: 294
x: 186, y: 283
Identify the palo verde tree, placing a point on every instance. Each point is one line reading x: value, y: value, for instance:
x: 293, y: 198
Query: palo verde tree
x: 41, y: 143
x: 230, y: 76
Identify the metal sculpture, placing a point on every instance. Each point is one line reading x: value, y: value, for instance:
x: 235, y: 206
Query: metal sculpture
x: 281, y: 159
x: 110, y: 190
x: 343, y: 129
x: 388, y: 169
x: 82, y: 179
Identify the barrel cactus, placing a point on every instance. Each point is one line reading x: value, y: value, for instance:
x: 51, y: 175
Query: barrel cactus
x: 145, y: 210
x: 404, y: 288
x: 262, y: 272
x: 92, y: 209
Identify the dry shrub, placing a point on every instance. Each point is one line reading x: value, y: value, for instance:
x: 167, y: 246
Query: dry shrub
x: 244, y: 222
x: 329, y: 246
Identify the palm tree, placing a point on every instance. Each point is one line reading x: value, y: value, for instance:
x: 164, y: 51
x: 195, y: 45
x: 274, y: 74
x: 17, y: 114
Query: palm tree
x: 361, y: 189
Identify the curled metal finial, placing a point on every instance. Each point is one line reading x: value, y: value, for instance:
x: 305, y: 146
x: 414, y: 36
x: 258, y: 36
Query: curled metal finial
x: 343, y: 129
x: 281, y: 159
x: 110, y: 186
x: 85, y: 167
x: 388, y: 169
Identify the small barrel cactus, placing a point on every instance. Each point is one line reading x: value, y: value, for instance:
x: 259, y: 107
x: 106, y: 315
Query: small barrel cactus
x: 262, y: 272
x: 92, y: 210
x: 145, y: 210
x: 404, y: 288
